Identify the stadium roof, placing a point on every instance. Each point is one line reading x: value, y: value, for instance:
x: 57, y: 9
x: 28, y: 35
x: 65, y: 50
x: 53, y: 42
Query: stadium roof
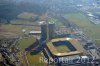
x: 73, y: 42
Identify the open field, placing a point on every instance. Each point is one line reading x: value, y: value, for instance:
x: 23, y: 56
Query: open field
x: 32, y: 59
x: 35, y: 60
x: 56, y: 21
x: 17, y: 29
x: 26, y: 15
x: 27, y: 18
x: 24, y: 43
x: 23, y: 22
x: 91, y: 31
x: 32, y: 16
x: 11, y: 28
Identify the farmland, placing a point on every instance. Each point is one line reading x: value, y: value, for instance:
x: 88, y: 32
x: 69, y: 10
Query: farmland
x: 90, y: 30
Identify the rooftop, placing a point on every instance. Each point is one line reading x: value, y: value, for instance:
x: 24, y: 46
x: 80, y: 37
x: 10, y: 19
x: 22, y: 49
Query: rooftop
x: 35, y: 32
x: 65, y: 47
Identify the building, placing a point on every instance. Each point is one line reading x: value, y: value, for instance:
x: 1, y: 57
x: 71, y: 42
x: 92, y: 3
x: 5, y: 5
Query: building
x: 47, y: 31
x: 65, y: 47
x: 51, y: 30
x: 44, y: 31
x: 34, y: 32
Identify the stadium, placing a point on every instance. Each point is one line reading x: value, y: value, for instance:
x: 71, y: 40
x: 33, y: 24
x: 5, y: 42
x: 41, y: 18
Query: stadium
x: 65, y: 47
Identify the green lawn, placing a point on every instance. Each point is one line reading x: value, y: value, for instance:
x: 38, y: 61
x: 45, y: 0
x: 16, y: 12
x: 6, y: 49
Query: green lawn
x: 35, y: 60
x: 92, y: 31
x: 56, y: 21
x: 32, y: 59
x: 62, y: 49
x: 24, y: 43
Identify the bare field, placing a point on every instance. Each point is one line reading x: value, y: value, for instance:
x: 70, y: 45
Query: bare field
x: 17, y: 29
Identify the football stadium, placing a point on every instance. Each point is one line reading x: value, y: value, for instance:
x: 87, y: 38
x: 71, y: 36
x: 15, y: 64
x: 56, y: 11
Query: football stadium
x: 65, y: 47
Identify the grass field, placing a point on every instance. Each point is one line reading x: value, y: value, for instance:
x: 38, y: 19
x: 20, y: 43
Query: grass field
x: 32, y: 59
x: 24, y: 43
x: 11, y: 28
x: 63, y: 49
x: 91, y: 31
x: 35, y: 60
x: 17, y: 29
x: 24, y: 18
x: 23, y: 22
x: 26, y: 15
x: 56, y: 21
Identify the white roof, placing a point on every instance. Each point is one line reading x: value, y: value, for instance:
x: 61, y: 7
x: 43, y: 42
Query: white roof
x: 35, y: 32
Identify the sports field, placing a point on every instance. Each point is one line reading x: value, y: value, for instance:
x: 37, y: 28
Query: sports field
x: 62, y: 49
x: 91, y: 31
